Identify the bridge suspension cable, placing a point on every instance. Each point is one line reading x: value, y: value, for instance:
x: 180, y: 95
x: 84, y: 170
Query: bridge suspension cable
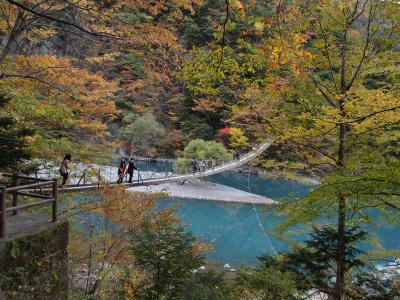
x: 258, y: 217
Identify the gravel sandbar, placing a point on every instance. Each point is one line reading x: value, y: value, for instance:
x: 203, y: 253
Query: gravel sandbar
x: 206, y: 191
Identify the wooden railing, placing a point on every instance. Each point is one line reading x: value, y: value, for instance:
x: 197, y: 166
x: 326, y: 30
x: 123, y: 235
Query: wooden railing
x: 26, y: 189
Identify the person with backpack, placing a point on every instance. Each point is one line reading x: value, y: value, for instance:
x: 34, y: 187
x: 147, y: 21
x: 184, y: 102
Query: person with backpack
x: 121, y: 171
x: 131, y: 167
x: 64, y: 169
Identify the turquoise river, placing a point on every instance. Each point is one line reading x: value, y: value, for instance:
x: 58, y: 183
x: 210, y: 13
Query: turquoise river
x: 234, y: 228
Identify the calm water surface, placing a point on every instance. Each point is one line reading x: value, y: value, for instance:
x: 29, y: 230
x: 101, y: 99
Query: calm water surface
x: 234, y: 229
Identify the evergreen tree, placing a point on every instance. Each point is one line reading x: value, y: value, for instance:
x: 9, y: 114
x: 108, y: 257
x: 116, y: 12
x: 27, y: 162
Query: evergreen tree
x: 311, y: 268
x: 167, y: 255
x: 13, y: 145
x: 315, y: 262
x: 207, y: 285
x: 198, y: 29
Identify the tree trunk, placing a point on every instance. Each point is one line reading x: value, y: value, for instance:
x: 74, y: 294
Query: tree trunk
x: 340, y: 262
x: 341, y: 265
x: 15, y: 32
x: 343, y: 58
x: 6, y: 50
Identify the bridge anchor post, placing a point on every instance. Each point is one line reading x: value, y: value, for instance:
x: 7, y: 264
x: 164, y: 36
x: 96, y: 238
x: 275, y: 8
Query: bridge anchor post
x: 15, y: 182
x: 55, y: 200
x: 3, y: 205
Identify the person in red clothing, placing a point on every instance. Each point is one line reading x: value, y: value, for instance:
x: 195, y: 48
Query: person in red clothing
x: 121, y: 171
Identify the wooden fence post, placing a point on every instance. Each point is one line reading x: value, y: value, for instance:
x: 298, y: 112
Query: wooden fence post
x: 140, y: 177
x: 55, y: 199
x: 3, y: 205
x: 99, y: 180
x: 15, y: 194
x: 82, y: 177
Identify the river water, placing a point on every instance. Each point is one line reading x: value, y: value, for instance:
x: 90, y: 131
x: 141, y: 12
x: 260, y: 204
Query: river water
x: 241, y: 232
x: 238, y: 232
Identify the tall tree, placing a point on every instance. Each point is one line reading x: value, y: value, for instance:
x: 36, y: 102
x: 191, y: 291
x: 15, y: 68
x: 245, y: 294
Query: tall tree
x: 214, y: 153
x: 168, y: 255
x: 307, y: 271
x: 141, y: 133
x: 324, y: 84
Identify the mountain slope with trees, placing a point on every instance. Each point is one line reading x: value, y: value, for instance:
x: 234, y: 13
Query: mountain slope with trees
x: 164, y: 78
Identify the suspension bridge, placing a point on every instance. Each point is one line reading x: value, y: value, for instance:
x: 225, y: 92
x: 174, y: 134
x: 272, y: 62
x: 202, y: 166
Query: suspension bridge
x: 47, y: 189
x: 169, y: 177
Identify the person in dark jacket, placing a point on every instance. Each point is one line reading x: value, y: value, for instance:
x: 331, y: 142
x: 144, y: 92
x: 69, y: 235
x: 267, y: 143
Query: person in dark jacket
x: 64, y: 169
x: 121, y: 171
x: 131, y: 167
x: 194, y: 165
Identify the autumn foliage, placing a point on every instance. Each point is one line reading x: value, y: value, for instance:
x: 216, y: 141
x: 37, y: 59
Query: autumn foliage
x: 233, y: 138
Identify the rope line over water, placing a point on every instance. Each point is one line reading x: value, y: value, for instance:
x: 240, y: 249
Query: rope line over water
x: 258, y: 216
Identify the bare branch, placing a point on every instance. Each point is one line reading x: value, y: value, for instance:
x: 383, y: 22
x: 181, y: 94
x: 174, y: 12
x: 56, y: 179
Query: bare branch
x: 46, y: 16
x: 328, y: 56
x: 364, y: 53
x: 29, y: 77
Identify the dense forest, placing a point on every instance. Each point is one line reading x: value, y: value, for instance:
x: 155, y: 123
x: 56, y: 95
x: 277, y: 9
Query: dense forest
x: 209, y: 79
x: 91, y: 70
